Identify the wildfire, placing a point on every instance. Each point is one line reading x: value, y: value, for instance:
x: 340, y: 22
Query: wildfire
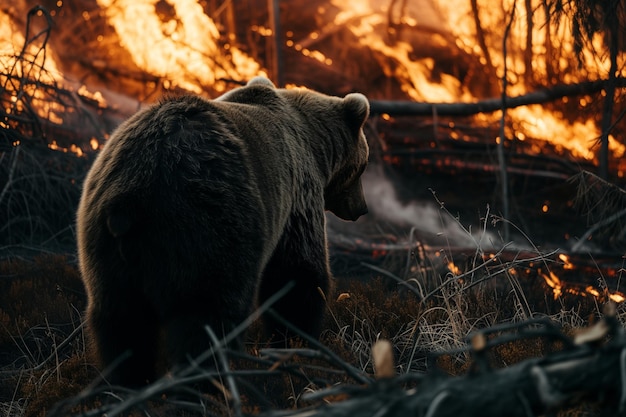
x: 535, y: 121
x: 32, y: 83
x: 559, y: 288
x: 37, y: 65
x: 182, y: 49
x: 369, y: 22
x: 365, y: 21
x: 180, y: 44
x: 176, y: 41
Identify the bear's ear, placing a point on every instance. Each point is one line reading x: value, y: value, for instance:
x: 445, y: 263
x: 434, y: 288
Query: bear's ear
x: 260, y: 80
x: 357, y: 109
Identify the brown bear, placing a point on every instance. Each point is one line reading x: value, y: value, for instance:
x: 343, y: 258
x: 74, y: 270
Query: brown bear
x: 196, y: 209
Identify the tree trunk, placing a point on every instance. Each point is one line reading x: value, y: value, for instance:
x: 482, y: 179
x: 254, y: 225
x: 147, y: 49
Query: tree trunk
x: 490, y: 71
x: 528, y: 51
x: 549, y: 57
x: 609, y: 99
x: 277, y: 55
x: 503, y: 176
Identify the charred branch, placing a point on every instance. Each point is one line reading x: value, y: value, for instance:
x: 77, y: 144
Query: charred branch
x: 545, y: 95
x: 532, y: 387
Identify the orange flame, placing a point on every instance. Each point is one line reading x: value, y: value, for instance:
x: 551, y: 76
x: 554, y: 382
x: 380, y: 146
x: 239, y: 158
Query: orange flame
x: 37, y: 65
x: 559, y: 289
x: 566, y: 262
x: 73, y: 148
x: 453, y: 268
x: 184, y: 51
x: 33, y: 64
x: 365, y: 18
x: 553, y: 282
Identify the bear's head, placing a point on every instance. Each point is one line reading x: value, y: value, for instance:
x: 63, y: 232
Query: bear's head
x: 343, y: 195
x: 340, y: 121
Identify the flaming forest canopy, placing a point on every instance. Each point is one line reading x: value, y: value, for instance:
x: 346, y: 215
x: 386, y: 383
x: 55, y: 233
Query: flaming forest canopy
x: 71, y: 71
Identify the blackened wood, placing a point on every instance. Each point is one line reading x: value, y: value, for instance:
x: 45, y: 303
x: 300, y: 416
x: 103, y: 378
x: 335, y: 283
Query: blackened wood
x: 545, y: 95
x: 531, y: 388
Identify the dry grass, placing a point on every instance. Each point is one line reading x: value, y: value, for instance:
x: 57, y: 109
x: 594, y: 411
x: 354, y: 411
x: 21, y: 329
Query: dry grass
x: 48, y: 360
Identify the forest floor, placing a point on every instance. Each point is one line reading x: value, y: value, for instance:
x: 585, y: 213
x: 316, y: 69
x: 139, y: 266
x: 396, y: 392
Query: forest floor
x: 425, y: 288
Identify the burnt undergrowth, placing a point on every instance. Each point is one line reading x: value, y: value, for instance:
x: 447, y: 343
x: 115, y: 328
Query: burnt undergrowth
x: 47, y: 369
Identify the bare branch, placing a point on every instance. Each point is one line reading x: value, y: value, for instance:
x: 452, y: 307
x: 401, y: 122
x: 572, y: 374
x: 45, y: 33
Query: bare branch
x: 411, y: 108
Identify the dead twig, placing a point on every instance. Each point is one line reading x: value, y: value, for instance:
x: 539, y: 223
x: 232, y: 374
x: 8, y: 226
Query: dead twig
x: 605, y: 206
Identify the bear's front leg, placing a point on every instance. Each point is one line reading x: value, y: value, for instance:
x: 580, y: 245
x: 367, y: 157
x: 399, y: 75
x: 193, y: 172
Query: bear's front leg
x: 221, y: 298
x: 186, y: 336
x: 301, y: 257
x: 126, y: 339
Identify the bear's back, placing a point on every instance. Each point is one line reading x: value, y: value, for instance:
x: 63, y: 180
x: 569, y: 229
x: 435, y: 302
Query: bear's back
x: 173, y: 186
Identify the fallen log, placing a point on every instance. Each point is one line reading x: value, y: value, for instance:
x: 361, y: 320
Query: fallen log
x: 585, y: 370
x: 544, y: 95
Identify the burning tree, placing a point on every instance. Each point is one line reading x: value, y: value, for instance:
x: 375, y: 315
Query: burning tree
x: 589, y: 19
x: 423, y: 51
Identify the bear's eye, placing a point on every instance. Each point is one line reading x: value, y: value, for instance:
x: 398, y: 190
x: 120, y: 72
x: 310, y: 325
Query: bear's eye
x: 353, y: 174
x: 359, y: 170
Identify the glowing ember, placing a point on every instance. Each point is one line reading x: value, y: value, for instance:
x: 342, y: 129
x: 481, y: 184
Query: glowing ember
x: 453, y: 268
x: 94, y: 144
x: 73, y: 148
x: 553, y: 282
x: 560, y: 288
x: 566, y: 262
x: 96, y: 96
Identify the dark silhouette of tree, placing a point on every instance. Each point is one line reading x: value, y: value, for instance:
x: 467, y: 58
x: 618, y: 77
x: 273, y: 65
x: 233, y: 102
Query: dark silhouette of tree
x: 551, y: 59
x: 490, y: 70
x: 528, y: 49
x: 590, y: 17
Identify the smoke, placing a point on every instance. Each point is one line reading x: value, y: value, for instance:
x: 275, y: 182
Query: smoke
x: 431, y: 223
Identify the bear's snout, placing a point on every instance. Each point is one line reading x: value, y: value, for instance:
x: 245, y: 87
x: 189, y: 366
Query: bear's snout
x: 351, y: 212
x: 351, y: 205
x: 360, y: 211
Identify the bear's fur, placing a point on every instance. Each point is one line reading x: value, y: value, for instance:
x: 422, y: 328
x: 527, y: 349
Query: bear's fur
x: 195, y: 209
